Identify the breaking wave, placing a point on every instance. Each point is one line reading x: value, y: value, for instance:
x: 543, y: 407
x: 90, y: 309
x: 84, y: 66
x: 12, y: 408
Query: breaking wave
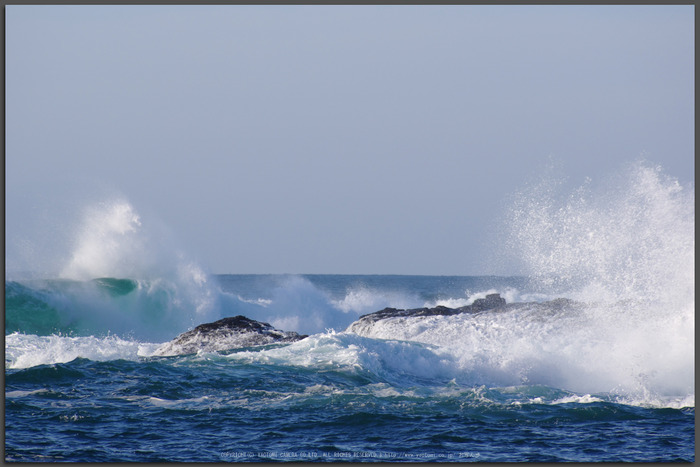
x: 625, y: 253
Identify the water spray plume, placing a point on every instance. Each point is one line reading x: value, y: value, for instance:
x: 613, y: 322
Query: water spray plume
x: 108, y: 243
x: 635, y: 241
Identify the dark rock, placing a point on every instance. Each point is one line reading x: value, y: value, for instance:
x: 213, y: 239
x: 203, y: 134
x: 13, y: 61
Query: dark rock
x: 491, y: 302
x: 226, y: 334
x: 393, y: 312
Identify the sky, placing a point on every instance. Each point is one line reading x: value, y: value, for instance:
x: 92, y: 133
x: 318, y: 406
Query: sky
x: 328, y: 139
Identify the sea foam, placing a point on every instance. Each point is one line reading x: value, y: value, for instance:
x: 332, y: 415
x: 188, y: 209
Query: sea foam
x: 25, y: 351
x: 626, y: 252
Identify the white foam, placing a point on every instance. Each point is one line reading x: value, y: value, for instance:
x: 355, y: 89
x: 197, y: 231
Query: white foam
x: 390, y: 358
x: 584, y: 352
x: 585, y: 399
x: 16, y: 394
x: 25, y: 351
x: 628, y: 248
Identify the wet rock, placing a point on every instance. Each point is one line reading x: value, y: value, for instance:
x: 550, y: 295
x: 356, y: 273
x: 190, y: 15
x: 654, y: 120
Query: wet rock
x: 226, y: 334
x: 492, y: 301
x: 481, y: 304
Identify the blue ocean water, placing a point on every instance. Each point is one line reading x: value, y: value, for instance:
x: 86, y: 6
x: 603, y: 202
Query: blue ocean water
x: 606, y: 378
x: 80, y: 396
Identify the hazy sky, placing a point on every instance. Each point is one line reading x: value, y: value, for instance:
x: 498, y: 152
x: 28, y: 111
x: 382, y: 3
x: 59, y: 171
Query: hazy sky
x: 329, y: 139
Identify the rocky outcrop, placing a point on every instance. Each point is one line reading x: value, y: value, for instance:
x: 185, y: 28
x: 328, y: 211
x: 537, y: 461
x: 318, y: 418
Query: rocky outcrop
x: 226, y: 334
x: 492, y: 303
x: 480, y: 304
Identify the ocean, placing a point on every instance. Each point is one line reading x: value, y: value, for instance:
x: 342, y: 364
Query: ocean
x: 606, y: 377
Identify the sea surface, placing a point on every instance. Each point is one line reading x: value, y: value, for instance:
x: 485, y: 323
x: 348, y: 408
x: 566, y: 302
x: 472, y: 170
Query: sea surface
x: 610, y: 377
x: 516, y: 386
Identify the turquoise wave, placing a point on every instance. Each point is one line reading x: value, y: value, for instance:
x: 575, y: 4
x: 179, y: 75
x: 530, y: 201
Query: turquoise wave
x: 116, y: 287
x: 28, y: 311
x: 101, y: 306
x: 40, y: 309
